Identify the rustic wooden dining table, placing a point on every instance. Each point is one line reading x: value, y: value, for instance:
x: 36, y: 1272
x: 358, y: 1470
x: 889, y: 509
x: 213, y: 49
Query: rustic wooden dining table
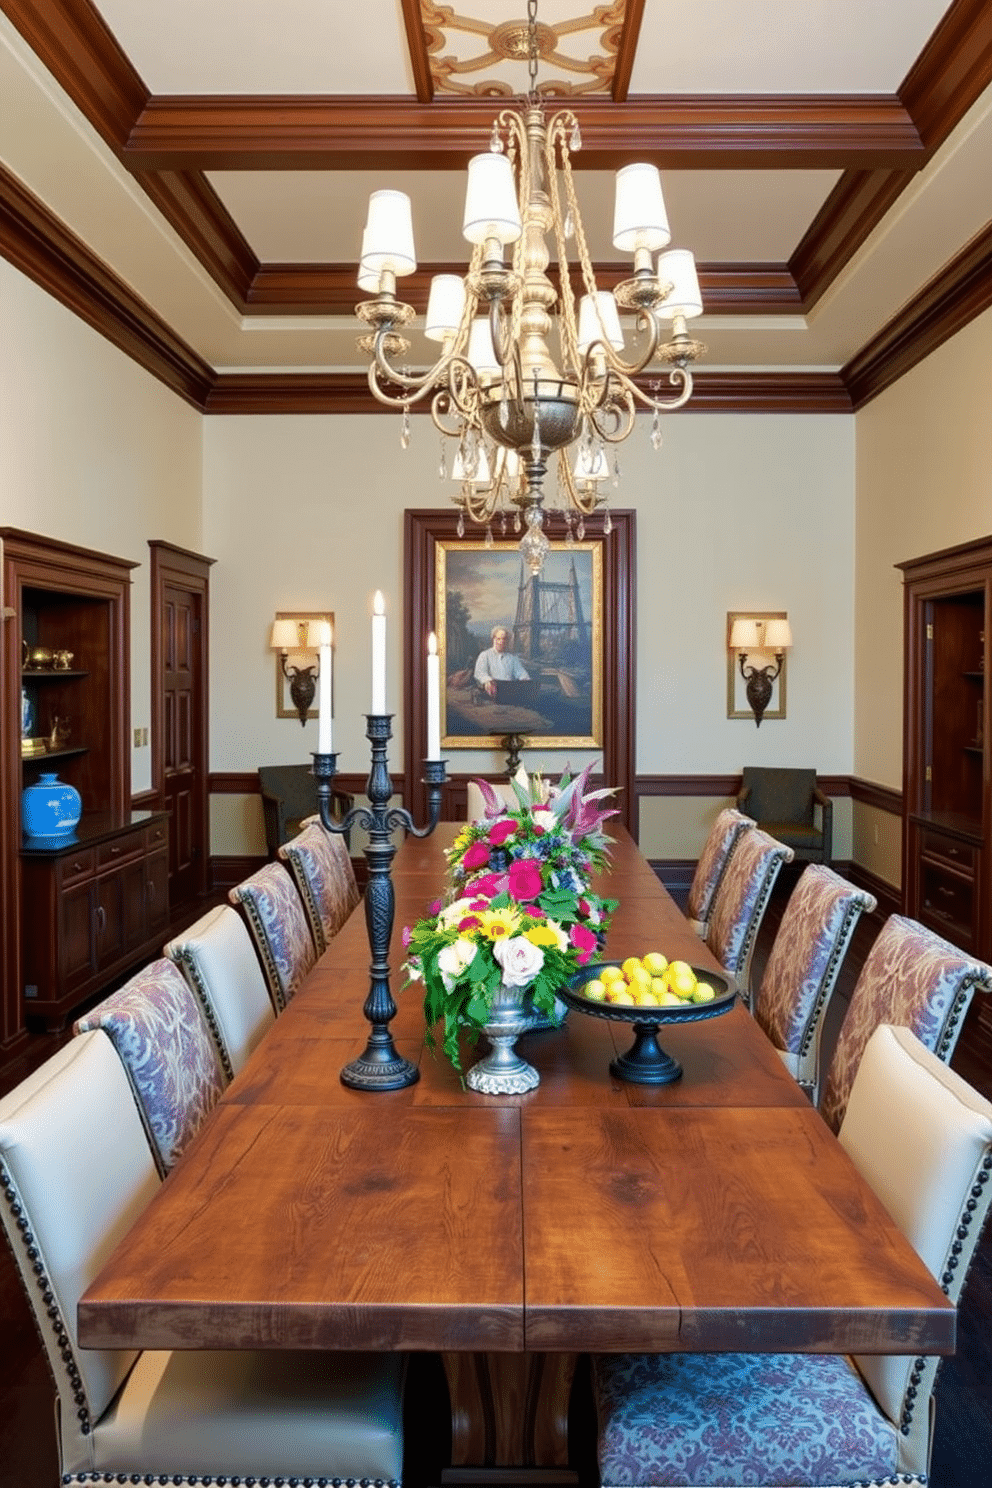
x: 511, y: 1233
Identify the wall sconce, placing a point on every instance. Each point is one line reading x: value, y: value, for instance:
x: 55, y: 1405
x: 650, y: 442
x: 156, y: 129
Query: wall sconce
x: 757, y: 644
x: 297, y: 638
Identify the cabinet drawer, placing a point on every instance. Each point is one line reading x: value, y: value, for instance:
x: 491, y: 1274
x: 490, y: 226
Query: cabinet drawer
x: 131, y: 845
x: 948, y: 903
x: 74, y: 867
x: 947, y: 850
x: 156, y: 836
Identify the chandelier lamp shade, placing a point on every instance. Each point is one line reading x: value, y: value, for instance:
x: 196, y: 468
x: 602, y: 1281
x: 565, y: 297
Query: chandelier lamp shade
x: 495, y: 387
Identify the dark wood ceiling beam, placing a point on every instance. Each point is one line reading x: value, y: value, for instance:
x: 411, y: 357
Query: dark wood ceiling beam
x: 191, y: 205
x: 952, y: 71
x: 949, y: 302
x: 627, y: 50
x: 850, y: 213
x: 73, y: 41
x: 330, y: 289
x: 37, y: 244
x: 416, y: 45
x: 372, y: 133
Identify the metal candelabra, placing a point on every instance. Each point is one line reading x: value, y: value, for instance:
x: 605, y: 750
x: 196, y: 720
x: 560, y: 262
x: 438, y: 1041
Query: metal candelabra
x: 381, y: 1066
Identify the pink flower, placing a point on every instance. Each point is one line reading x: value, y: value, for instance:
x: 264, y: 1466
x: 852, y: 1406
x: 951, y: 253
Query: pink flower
x: 501, y: 830
x: 585, y: 908
x: 470, y: 922
x: 532, y: 909
x: 407, y: 936
x: 584, y: 942
x: 488, y: 885
x: 525, y: 880
x: 476, y: 856
x: 435, y: 907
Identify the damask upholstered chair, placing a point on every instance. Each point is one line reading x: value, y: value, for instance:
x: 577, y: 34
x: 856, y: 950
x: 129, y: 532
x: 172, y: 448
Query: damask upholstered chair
x: 809, y: 948
x: 321, y: 867
x: 218, y: 960
x: 786, y: 805
x: 155, y: 1024
x: 740, y: 902
x: 274, y: 914
x: 75, y: 1173
x: 476, y: 804
x: 923, y: 1139
x: 720, y: 843
x: 911, y: 977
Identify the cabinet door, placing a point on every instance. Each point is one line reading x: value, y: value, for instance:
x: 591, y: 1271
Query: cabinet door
x: 157, y: 892
x: 110, y: 919
x: 77, y: 936
x: 132, y: 879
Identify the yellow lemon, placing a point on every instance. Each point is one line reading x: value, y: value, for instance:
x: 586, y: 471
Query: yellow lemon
x: 632, y: 964
x: 681, y: 977
x: 645, y: 999
x: 703, y: 992
x: 639, y: 975
x: 669, y: 999
x: 595, y: 990
x: 611, y: 974
x: 621, y: 997
x: 655, y: 962
x: 658, y: 985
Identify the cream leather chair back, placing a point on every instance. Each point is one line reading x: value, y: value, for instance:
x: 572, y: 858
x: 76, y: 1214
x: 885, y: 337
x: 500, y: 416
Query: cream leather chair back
x: 476, y: 806
x: 218, y: 960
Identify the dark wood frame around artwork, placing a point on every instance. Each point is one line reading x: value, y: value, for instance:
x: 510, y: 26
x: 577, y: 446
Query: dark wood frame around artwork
x: 422, y: 530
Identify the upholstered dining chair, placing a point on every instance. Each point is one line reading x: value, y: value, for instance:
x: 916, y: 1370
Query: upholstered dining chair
x: 322, y: 871
x: 911, y: 977
x: 808, y: 951
x: 155, y: 1024
x: 218, y: 960
x: 75, y: 1173
x: 274, y: 914
x: 720, y: 842
x: 475, y: 801
x: 740, y: 902
x: 923, y: 1139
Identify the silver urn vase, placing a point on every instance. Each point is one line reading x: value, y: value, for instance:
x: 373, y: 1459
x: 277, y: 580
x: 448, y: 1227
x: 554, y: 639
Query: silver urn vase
x: 503, y: 1071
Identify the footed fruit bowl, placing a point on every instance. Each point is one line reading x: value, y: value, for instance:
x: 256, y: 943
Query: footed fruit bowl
x: 645, y: 1062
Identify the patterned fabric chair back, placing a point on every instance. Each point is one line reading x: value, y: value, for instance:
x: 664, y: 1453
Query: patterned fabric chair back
x: 274, y: 914
x: 322, y: 871
x: 217, y: 958
x: 741, y: 901
x: 155, y: 1024
x: 922, y: 1139
x: 913, y: 978
x: 810, y: 944
x: 724, y: 835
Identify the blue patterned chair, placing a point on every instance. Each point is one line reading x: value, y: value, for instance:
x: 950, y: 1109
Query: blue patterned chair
x: 740, y: 902
x: 218, y: 960
x: 912, y: 977
x: 75, y: 1173
x: 923, y: 1139
x: 808, y: 951
x: 161, y: 1037
x: 274, y: 914
x: 321, y: 867
x: 723, y: 837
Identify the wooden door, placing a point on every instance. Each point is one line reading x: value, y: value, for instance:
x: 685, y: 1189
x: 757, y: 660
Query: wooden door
x: 179, y: 713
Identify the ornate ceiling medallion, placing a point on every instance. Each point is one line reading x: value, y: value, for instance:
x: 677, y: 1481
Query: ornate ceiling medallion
x: 460, y: 46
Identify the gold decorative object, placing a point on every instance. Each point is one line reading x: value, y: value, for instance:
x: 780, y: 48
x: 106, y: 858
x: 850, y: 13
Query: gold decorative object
x: 59, y: 736
x: 38, y: 659
x: 62, y: 660
x: 32, y: 747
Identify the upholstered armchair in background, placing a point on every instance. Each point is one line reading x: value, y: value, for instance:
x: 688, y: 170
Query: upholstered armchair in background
x: 785, y: 804
x: 289, y: 794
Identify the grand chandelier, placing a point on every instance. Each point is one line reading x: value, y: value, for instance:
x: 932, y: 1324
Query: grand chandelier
x: 496, y: 389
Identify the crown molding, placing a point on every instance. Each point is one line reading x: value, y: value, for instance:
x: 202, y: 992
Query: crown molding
x: 34, y: 241
x: 945, y: 305
x: 951, y: 73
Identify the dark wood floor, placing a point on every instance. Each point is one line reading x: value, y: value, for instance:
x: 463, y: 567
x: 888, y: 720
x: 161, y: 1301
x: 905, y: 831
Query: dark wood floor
x: 963, y: 1444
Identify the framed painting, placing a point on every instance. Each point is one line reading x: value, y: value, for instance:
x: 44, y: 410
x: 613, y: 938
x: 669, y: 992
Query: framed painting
x: 562, y: 672
x: 521, y: 653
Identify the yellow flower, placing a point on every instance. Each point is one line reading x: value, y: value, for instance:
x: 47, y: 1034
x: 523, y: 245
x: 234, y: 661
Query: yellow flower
x: 498, y: 924
x: 547, y: 934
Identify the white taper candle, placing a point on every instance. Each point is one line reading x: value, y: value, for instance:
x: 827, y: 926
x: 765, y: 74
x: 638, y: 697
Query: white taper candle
x: 378, y: 653
x: 433, y: 699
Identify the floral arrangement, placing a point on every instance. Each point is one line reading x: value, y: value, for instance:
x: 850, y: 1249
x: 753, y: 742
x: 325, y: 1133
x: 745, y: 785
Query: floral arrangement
x: 519, y: 911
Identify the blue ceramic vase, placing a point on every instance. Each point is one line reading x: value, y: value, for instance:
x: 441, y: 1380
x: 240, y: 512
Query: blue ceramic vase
x: 50, y: 807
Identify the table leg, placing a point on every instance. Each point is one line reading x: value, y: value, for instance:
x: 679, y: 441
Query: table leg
x: 509, y: 1417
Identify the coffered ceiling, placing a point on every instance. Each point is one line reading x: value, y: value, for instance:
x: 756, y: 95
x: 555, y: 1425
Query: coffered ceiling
x: 192, y: 178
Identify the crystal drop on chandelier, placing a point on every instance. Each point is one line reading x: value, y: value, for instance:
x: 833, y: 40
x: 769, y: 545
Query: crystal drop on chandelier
x: 405, y: 428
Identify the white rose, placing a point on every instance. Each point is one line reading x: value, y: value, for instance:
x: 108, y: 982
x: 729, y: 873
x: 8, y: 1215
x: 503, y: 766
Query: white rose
x: 520, y: 960
x: 544, y: 818
x: 454, y: 914
x: 452, y: 961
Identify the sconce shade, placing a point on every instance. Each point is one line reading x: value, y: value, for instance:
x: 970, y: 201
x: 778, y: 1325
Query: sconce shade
x: 591, y: 464
x: 745, y: 635
x: 445, y: 304
x: 389, y: 234
x: 778, y: 635
x: 285, y: 636
x: 480, y: 348
x: 480, y: 475
x: 601, y: 326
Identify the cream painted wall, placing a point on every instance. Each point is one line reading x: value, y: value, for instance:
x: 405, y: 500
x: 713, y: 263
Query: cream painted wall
x: 95, y: 452
x: 307, y: 513
x: 924, y: 482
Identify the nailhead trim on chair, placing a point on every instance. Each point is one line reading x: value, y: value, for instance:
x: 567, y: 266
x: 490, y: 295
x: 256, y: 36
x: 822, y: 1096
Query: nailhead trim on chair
x: 52, y: 1310
x: 954, y: 1016
x: 249, y: 1480
x: 188, y: 965
x: 853, y: 912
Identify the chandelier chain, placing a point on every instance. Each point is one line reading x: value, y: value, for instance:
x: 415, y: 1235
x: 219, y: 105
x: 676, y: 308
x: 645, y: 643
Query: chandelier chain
x: 532, y: 48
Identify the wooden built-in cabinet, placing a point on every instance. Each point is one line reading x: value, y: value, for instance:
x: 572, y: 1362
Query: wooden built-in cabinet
x: 77, y: 915
x: 947, y: 761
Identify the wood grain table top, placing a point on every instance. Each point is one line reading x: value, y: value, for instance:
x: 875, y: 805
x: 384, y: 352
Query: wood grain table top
x: 715, y: 1213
